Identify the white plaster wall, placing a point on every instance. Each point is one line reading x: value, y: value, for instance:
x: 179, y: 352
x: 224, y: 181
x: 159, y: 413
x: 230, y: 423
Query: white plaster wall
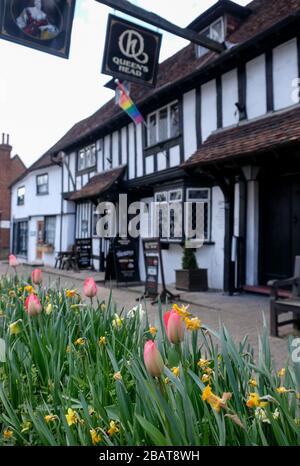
x: 139, y: 147
x: 131, y: 157
x: 208, y: 108
x: 107, y: 153
x: 162, y: 160
x: 256, y: 94
x: 189, y: 123
x: 285, y: 70
x: 124, y: 146
x: 100, y: 155
x: 115, y: 149
x: 229, y: 98
x: 174, y: 156
x: 149, y: 164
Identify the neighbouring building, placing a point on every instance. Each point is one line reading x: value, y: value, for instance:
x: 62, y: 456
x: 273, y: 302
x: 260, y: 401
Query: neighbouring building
x: 10, y: 169
x: 222, y: 130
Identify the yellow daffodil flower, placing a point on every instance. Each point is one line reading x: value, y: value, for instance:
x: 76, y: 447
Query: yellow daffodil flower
x: 192, y: 324
x: 153, y: 331
x: 176, y: 371
x: 117, y: 322
x: 72, y: 417
x: 202, y: 363
x: 29, y: 289
x: 167, y: 380
x: 261, y: 415
x: 79, y: 342
x: 92, y: 411
x: 281, y: 373
x: 95, y: 437
x: 15, y: 327
x: 26, y: 426
x: 205, y: 378
x: 252, y: 382
x: 7, y: 433
x: 71, y: 293
x: 103, y: 307
x: 215, y: 402
x: 12, y: 294
x: 102, y: 341
x: 117, y: 376
x: 50, y: 418
x: 254, y: 401
x: 208, y: 370
x: 113, y: 428
x: 182, y: 311
x: 281, y: 390
x: 48, y: 309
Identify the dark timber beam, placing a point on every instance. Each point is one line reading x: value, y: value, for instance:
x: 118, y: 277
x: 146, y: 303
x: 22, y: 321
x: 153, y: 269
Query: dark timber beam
x: 158, y: 21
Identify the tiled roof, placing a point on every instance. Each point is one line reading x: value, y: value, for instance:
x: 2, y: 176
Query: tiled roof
x: 270, y: 132
x: 265, y: 13
x: 98, y: 184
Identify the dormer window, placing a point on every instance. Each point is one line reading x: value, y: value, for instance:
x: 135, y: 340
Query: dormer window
x: 215, y: 31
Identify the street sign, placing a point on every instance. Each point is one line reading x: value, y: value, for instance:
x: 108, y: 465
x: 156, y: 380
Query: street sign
x: 45, y: 26
x: 131, y: 52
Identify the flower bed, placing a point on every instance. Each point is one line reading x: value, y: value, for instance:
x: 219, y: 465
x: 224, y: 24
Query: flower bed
x: 85, y: 373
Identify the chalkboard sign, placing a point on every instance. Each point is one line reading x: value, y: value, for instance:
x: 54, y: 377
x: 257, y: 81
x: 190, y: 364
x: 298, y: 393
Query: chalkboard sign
x: 126, y: 255
x: 152, y: 257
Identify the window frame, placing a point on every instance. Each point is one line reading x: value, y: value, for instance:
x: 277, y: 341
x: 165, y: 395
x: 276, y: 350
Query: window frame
x: 203, y: 201
x: 47, y: 217
x: 86, y: 167
x: 18, y: 198
x: 45, y: 184
x: 156, y: 113
x: 200, y: 49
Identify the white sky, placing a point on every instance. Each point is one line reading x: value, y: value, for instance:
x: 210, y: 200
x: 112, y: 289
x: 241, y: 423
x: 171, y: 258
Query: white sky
x: 42, y: 96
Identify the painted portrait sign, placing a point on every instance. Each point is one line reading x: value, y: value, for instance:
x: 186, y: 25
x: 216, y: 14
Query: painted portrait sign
x: 45, y: 25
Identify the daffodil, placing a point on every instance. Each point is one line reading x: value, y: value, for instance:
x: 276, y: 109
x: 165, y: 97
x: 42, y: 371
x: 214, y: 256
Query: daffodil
x: 215, y: 402
x: 205, y: 378
x: 252, y: 382
x: 48, y: 309
x: 202, y: 363
x: 281, y: 390
x: 113, y: 428
x: 26, y: 426
x: 176, y: 371
x: 102, y: 341
x: 208, y: 370
x: 79, y: 342
x: 15, y: 327
x: 261, y: 415
x: 95, y: 437
x: 117, y: 321
x: 72, y: 417
x: 71, y: 293
x: 29, y: 289
x: 50, y: 418
x: 254, y: 401
x: 276, y: 414
x: 117, y: 376
x: 182, y: 311
x: 281, y: 373
x: 103, y: 307
x: 12, y: 293
x: 7, y: 433
x: 192, y: 324
x: 167, y: 380
x: 153, y: 331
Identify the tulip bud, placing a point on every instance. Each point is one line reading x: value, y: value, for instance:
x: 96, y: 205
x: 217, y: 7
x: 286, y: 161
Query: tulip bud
x: 153, y: 360
x: 174, y: 327
x: 33, y: 305
x: 13, y: 262
x: 36, y: 276
x: 90, y: 288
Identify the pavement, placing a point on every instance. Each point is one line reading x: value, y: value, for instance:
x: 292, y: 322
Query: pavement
x: 242, y: 314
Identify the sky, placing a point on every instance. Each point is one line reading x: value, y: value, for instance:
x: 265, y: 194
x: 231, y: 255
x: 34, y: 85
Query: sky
x: 43, y: 96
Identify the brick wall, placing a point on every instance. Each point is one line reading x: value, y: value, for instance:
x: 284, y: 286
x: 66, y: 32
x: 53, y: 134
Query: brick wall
x: 11, y: 169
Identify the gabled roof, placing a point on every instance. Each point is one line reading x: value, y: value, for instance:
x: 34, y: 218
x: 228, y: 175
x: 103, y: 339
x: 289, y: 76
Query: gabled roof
x: 267, y: 133
x: 174, y: 70
x: 99, y: 184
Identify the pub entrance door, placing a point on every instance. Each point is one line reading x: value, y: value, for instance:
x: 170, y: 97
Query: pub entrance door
x: 280, y: 227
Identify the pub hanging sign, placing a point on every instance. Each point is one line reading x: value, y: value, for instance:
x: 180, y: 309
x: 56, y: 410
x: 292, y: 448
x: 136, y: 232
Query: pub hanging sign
x: 45, y: 25
x: 131, y: 52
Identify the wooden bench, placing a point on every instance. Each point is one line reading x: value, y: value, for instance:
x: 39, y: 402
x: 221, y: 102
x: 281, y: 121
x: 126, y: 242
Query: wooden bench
x: 290, y: 305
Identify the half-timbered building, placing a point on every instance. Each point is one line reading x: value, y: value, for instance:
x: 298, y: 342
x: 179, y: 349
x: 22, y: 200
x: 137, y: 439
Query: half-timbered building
x: 222, y: 130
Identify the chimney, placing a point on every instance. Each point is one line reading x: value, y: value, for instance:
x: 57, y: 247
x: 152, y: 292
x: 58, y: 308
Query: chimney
x: 5, y: 148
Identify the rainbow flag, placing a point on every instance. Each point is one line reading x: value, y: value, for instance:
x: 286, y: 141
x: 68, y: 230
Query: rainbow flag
x: 128, y: 106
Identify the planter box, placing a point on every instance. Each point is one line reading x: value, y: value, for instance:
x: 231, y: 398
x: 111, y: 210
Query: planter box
x: 192, y: 280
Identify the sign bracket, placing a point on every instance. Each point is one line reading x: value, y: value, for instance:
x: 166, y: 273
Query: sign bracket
x: 158, y: 21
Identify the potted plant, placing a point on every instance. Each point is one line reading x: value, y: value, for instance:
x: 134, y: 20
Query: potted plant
x: 191, y: 278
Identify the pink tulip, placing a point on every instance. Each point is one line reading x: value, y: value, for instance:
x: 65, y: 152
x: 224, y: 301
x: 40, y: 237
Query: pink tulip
x: 33, y: 305
x: 13, y: 261
x: 90, y: 288
x: 36, y: 276
x: 153, y: 360
x: 174, y: 327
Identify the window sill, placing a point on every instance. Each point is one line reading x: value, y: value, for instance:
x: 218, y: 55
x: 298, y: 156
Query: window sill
x: 86, y: 170
x: 42, y: 194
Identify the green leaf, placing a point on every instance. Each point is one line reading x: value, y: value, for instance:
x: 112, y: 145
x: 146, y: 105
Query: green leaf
x: 155, y: 435
x: 2, y: 350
